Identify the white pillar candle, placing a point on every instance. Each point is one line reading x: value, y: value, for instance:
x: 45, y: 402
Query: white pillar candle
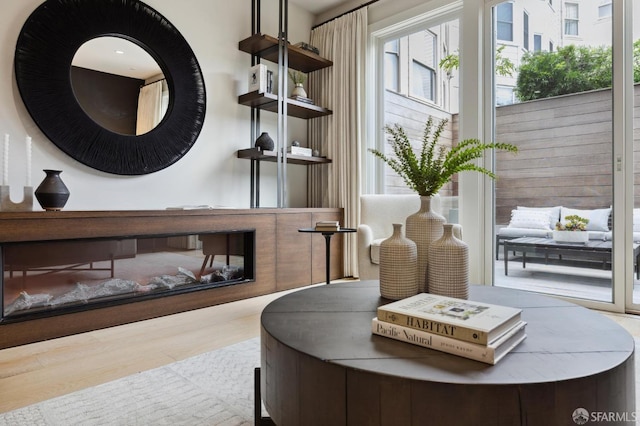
x: 28, y: 142
x: 5, y: 160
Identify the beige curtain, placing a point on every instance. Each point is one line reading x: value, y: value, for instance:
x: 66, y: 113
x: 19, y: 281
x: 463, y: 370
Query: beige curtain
x: 339, y: 136
x: 150, y: 108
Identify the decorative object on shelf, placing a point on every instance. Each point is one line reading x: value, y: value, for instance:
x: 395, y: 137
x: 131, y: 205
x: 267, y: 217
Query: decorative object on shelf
x: 269, y: 81
x: 306, y: 46
x: 258, y: 80
x: 264, y: 142
x: 298, y: 78
x: 573, y: 231
x: 448, y: 270
x: 435, y: 165
x: 52, y: 193
x: 398, y: 260
x: 424, y: 227
x: 6, y: 205
x: 299, y: 150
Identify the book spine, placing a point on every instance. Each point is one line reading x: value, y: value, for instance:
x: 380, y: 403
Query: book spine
x: 433, y: 327
x: 434, y: 341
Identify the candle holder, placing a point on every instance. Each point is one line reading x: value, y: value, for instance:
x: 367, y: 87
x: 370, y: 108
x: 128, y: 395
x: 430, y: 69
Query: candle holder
x: 6, y: 205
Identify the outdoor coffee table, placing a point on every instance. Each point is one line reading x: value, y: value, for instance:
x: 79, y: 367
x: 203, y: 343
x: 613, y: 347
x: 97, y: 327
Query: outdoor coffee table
x: 594, y: 250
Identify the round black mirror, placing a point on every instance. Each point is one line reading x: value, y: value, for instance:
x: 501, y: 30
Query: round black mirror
x: 46, y: 46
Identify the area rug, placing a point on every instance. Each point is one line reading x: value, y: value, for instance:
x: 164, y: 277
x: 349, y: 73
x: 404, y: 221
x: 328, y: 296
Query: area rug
x: 214, y: 388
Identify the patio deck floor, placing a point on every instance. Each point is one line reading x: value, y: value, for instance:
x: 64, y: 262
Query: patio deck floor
x: 578, y: 282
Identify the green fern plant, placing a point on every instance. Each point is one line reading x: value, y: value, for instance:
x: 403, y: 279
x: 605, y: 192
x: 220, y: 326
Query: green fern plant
x: 427, y: 171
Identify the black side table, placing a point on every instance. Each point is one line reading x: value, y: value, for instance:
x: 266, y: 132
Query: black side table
x: 327, y: 240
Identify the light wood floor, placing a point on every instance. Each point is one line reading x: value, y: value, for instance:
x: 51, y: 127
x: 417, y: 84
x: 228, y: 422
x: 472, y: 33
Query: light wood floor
x: 44, y: 370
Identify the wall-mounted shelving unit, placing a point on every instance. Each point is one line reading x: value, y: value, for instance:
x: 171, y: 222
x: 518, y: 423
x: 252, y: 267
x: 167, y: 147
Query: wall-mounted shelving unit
x: 279, y: 51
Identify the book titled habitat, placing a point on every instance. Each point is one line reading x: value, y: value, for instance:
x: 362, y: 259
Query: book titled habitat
x: 475, y: 322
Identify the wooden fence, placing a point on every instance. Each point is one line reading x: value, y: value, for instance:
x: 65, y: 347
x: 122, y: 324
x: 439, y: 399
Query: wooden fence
x: 564, y: 156
x: 565, y: 150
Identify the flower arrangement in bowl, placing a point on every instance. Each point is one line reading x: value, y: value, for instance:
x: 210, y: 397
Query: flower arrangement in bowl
x: 427, y: 171
x: 298, y: 78
x: 573, y: 231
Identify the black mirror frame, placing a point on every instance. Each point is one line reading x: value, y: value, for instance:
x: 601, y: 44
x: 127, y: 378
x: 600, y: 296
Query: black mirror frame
x: 45, y: 49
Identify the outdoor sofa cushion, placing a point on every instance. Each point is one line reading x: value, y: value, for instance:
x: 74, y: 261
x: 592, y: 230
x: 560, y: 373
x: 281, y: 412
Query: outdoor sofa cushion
x: 530, y: 222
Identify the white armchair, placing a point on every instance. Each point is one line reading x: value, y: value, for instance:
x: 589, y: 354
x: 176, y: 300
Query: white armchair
x: 378, y: 213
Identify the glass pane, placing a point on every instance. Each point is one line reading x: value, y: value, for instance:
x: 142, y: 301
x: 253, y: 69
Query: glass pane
x: 429, y: 71
x: 422, y: 84
x: 561, y: 122
x: 505, y: 22
x: 50, y: 277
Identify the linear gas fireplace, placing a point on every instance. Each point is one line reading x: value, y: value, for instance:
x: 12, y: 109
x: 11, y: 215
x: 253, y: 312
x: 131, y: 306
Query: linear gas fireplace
x: 45, y: 278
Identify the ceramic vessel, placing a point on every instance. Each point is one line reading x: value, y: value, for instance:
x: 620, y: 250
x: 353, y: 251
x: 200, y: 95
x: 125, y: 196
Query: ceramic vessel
x: 448, y: 270
x: 264, y: 142
x: 52, y: 193
x: 578, y: 237
x: 424, y: 227
x: 398, y: 260
x: 298, y: 90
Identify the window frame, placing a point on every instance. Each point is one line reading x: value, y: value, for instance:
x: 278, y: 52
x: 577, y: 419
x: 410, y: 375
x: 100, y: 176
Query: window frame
x: 575, y: 21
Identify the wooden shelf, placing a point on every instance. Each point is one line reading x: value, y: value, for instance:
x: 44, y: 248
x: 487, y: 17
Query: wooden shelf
x: 267, y: 48
x: 269, y: 102
x: 257, y: 154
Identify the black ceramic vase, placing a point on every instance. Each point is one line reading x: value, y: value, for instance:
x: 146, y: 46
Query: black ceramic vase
x: 52, y: 193
x: 264, y: 142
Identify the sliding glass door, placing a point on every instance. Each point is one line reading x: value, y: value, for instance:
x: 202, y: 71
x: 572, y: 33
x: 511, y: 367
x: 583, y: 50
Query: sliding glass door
x: 554, y: 100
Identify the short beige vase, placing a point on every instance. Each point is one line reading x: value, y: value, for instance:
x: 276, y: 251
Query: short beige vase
x: 423, y: 228
x: 448, y: 268
x: 398, y: 260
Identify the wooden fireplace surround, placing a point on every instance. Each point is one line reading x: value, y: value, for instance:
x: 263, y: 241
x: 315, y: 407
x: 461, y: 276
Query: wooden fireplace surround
x: 284, y: 258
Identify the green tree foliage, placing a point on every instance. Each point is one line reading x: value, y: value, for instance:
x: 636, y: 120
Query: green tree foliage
x: 570, y: 69
x: 504, y: 66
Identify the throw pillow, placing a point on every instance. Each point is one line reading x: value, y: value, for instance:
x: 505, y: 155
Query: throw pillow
x: 598, y: 218
x: 531, y: 219
x: 554, y: 213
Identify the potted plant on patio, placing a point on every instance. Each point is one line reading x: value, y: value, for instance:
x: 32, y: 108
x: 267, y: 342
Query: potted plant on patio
x: 426, y: 172
x: 573, y: 231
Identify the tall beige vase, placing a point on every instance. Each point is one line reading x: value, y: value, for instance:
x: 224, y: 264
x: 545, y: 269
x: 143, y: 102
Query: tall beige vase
x: 448, y: 268
x: 424, y: 227
x: 398, y: 260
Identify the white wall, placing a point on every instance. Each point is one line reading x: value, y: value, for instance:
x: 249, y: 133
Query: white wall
x: 209, y: 173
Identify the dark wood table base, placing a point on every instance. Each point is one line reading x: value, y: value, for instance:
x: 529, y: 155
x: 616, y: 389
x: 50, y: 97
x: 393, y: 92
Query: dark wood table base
x: 321, y: 365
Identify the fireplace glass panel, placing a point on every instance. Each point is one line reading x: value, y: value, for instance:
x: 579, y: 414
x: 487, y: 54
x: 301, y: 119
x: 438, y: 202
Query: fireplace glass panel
x: 52, y: 277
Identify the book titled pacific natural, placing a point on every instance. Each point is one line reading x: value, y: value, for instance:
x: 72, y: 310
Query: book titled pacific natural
x: 489, y: 354
x: 475, y: 322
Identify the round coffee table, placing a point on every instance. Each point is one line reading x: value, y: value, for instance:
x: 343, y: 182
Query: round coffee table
x: 321, y: 365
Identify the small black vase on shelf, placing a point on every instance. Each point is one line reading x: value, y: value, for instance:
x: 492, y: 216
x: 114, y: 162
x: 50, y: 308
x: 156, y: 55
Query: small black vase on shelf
x: 52, y: 193
x: 264, y: 142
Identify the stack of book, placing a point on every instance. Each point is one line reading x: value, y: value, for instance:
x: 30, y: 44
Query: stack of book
x: 302, y: 99
x: 475, y: 330
x: 327, y: 225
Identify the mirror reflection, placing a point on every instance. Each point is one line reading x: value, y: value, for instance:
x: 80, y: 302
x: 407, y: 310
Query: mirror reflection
x: 119, y: 85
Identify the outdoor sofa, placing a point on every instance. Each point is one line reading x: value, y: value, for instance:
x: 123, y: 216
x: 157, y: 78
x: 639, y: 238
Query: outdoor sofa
x: 541, y: 221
